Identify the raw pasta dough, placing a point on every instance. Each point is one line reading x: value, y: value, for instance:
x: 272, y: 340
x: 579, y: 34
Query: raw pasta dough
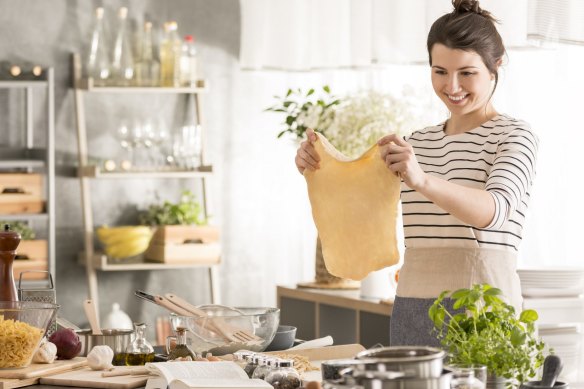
x: 354, y: 206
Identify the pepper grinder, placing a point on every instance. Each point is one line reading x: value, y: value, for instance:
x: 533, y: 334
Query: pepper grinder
x: 9, y: 241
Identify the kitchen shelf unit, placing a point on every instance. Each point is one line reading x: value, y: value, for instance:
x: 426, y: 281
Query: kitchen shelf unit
x: 343, y: 314
x: 31, y: 158
x: 92, y: 259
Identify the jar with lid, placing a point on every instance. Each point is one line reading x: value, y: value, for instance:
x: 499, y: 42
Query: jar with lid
x: 284, y: 376
x: 252, y: 364
x: 464, y: 378
x: 265, y: 365
x: 139, y: 351
x: 181, y: 350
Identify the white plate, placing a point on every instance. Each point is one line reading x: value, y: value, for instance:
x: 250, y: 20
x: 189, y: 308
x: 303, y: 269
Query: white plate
x: 552, y: 292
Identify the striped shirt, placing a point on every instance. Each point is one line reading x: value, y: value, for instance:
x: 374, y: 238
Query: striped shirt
x: 499, y: 157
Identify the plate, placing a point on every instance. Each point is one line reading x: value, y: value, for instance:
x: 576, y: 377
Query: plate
x: 552, y: 292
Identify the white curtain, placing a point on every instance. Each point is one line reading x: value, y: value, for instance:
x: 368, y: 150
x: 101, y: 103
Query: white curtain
x: 301, y: 35
x: 557, y: 21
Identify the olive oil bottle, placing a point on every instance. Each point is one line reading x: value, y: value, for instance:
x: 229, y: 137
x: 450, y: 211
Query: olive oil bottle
x: 140, y: 351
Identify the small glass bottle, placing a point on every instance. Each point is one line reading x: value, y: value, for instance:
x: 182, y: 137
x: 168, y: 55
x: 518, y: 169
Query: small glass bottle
x: 284, y: 376
x: 140, y: 351
x: 123, y: 60
x: 148, y: 67
x: 265, y: 365
x: 188, y: 62
x: 181, y: 351
x: 97, y: 63
x: 170, y: 52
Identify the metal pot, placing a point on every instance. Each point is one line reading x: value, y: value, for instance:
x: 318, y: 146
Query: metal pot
x: 414, y: 362
x: 394, y: 380
x: 117, y: 339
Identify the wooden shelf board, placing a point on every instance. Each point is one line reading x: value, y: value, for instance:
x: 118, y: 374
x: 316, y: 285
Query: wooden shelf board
x: 87, y: 85
x: 24, y: 216
x: 9, y: 84
x: 21, y: 163
x: 100, y: 262
x: 95, y: 172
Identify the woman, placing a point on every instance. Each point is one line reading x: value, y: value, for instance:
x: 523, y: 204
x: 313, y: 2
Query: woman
x: 465, y: 182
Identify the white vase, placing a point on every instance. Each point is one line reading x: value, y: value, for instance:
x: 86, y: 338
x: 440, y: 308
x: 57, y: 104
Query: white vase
x: 378, y: 284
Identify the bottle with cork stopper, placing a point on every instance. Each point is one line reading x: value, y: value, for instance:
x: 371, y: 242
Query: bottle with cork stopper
x: 9, y: 241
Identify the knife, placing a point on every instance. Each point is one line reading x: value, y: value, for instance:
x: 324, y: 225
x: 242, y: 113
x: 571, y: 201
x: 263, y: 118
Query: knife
x: 161, y: 301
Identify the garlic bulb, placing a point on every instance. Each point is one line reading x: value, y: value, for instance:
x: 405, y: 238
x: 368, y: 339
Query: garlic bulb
x: 46, y: 353
x: 100, y: 358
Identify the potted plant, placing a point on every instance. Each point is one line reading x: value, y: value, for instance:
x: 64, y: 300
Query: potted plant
x: 182, y: 233
x: 486, y: 331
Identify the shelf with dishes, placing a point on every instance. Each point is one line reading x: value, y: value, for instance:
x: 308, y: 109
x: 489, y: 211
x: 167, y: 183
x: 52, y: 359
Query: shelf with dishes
x: 103, y: 263
x: 88, y: 85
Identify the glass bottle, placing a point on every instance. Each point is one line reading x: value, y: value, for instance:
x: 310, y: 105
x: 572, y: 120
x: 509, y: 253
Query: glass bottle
x: 123, y: 60
x: 98, y: 63
x: 188, y: 62
x: 187, y: 145
x: 148, y: 68
x: 181, y: 350
x: 284, y: 376
x: 139, y: 351
x: 170, y: 51
x: 266, y: 365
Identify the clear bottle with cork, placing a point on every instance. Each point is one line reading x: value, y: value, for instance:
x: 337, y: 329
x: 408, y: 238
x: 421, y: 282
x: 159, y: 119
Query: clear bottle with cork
x: 188, y: 62
x: 148, y: 67
x: 122, y: 59
x: 170, y: 52
x: 139, y: 351
x: 181, y: 350
x: 97, y: 64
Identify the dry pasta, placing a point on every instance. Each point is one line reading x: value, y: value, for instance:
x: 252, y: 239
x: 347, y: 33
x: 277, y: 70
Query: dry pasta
x: 301, y: 363
x: 18, y: 342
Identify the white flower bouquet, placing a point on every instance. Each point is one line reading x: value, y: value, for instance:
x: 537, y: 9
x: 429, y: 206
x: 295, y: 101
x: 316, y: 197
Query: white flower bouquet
x: 352, y: 123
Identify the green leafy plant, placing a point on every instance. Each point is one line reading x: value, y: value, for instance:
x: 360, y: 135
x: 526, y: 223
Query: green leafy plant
x: 486, y: 331
x: 188, y: 211
x: 304, y: 110
x: 26, y: 233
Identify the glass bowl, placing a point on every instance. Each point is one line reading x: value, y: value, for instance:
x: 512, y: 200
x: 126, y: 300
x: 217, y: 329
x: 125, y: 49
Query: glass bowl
x: 22, y: 326
x: 226, y: 330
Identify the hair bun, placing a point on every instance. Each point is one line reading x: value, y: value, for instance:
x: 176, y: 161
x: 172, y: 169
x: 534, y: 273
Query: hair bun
x: 472, y: 6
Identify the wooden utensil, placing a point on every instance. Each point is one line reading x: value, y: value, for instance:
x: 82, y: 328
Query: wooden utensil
x: 161, y: 301
x: 91, y: 313
x: 230, y: 332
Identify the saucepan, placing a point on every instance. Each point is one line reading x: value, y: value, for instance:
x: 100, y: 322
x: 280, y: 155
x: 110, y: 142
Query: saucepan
x: 413, y: 361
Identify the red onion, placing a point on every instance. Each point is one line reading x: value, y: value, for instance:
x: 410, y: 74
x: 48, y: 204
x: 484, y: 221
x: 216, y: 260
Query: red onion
x: 67, y: 342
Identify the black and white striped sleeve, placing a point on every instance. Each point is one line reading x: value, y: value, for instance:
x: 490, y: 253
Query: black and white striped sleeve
x: 512, y: 173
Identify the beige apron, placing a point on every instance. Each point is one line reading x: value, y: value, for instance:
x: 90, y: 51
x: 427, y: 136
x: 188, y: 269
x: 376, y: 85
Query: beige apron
x: 427, y: 272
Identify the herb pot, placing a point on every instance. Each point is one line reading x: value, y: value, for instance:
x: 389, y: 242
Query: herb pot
x: 414, y: 362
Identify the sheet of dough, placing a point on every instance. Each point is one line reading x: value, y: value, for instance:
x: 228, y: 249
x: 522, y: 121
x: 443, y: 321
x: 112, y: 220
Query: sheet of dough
x: 354, y: 206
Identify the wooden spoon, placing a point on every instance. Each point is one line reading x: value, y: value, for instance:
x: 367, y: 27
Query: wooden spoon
x: 91, y: 313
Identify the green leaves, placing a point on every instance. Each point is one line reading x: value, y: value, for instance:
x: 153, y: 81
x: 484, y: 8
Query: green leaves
x: 486, y: 331
x: 187, y: 211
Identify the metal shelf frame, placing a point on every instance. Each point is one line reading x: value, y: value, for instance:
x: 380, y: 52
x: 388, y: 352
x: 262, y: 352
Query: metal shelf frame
x: 29, y: 158
x: 93, y: 260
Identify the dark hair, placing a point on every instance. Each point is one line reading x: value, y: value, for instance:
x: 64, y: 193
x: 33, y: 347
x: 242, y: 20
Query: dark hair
x: 470, y: 28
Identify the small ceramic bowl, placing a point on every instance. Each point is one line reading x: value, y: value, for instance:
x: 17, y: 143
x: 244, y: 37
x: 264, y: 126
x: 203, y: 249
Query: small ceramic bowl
x: 537, y: 385
x: 284, y: 338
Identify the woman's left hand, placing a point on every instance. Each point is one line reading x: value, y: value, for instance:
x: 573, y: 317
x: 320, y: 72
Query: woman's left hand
x: 400, y: 158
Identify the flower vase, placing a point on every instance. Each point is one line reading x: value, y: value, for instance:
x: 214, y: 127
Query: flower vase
x: 324, y: 279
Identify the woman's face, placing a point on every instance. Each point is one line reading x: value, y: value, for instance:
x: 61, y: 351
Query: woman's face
x: 461, y: 79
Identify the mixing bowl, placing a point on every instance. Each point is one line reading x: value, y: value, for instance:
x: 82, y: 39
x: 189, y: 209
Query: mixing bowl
x: 203, y: 335
x: 22, y: 326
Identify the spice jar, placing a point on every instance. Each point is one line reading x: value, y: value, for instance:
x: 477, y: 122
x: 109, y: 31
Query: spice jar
x: 284, y: 376
x: 265, y: 365
x: 252, y: 364
x: 181, y: 350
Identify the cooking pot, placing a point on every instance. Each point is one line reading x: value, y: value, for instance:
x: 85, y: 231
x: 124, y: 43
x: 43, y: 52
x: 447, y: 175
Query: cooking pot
x: 117, y: 339
x: 415, y: 362
x: 355, y: 379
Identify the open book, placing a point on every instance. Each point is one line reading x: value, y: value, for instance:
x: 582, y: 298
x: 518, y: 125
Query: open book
x: 201, y: 375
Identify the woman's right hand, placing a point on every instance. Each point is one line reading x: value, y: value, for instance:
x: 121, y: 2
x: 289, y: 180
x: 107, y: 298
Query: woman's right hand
x: 306, y: 156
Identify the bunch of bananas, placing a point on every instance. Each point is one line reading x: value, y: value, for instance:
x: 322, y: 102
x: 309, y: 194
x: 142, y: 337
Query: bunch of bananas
x: 125, y: 241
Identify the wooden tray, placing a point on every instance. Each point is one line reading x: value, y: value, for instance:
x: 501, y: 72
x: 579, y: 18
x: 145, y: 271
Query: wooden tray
x: 179, y: 234
x: 40, y: 369
x: 87, y: 378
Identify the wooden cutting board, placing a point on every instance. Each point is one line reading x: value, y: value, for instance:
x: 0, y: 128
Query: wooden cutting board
x: 87, y: 378
x: 41, y: 369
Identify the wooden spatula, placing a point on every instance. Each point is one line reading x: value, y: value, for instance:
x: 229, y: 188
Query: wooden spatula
x: 91, y: 313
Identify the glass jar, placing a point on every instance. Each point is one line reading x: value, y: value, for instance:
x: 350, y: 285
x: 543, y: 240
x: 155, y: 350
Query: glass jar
x: 284, y: 376
x: 266, y: 364
x: 252, y: 364
x: 464, y: 378
x: 139, y: 351
x: 181, y: 350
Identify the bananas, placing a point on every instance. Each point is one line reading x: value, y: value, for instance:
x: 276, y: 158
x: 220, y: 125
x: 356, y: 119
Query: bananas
x: 125, y: 241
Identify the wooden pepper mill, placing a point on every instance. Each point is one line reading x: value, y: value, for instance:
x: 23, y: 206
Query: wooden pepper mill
x: 9, y: 241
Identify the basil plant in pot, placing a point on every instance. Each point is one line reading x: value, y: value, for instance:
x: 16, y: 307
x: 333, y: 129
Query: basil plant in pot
x: 486, y: 331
